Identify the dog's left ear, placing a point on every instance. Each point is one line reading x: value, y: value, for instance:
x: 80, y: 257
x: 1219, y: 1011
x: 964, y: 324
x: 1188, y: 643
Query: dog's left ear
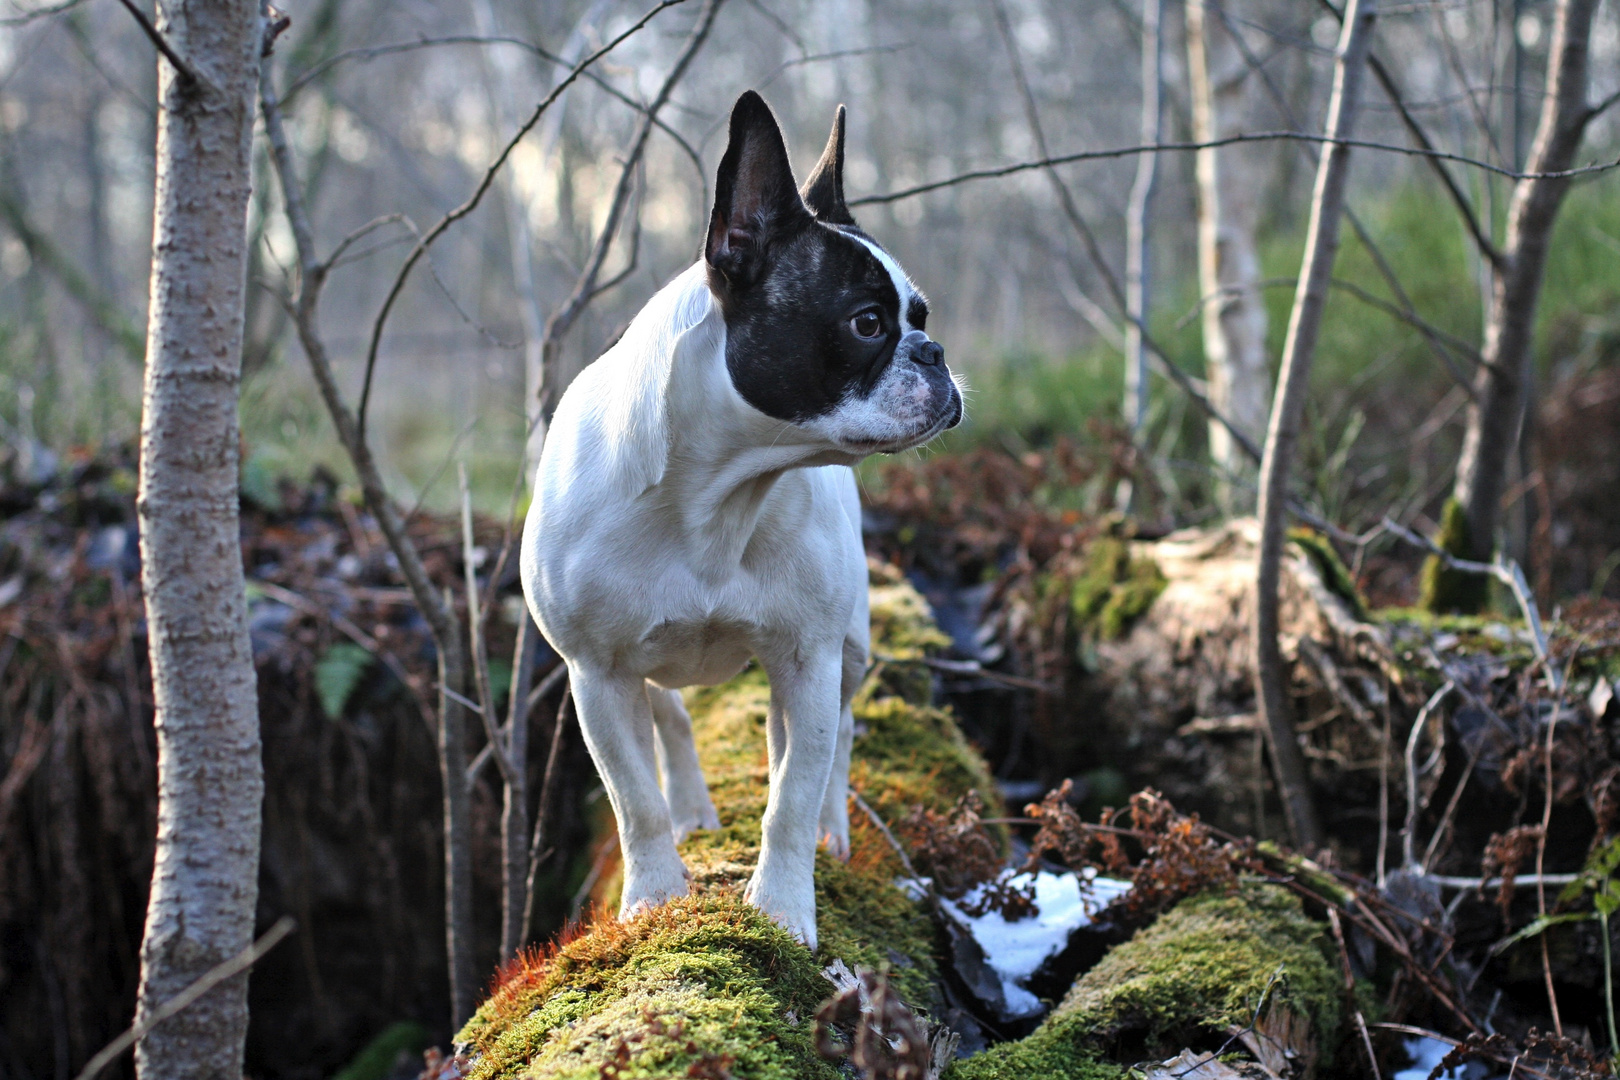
x: 823, y: 193
x: 755, y: 201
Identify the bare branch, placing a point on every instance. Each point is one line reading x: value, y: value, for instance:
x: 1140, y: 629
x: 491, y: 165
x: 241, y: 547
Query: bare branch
x: 435, y: 608
x: 186, y: 70
x: 372, y: 52
x: 585, y: 289
x: 998, y: 171
x: 477, y: 197
x: 1603, y: 106
x: 39, y: 13
x: 1421, y: 137
x: 188, y: 997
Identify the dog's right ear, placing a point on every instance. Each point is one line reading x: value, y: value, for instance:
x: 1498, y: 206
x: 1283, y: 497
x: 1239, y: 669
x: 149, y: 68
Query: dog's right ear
x: 824, y: 191
x: 755, y: 200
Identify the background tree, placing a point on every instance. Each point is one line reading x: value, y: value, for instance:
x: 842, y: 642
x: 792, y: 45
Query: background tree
x: 1502, y: 384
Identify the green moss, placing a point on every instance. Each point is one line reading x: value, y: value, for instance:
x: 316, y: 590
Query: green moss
x: 1115, y: 588
x: 1447, y: 590
x: 709, y: 974
x: 1184, y: 980
x: 1335, y: 575
x: 703, y: 975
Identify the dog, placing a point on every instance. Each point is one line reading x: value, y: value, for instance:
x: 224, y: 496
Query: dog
x: 694, y: 507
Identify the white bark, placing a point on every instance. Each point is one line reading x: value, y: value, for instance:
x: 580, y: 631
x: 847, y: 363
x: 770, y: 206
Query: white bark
x: 1282, y: 434
x: 210, y: 777
x: 1136, y: 225
x: 1230, y: 182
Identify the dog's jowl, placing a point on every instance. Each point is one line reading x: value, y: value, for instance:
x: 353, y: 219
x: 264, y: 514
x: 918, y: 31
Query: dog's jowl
x: 694, y: 507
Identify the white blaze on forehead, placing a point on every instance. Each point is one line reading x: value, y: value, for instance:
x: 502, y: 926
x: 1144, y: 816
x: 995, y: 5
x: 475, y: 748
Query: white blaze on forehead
x: 902, y: 284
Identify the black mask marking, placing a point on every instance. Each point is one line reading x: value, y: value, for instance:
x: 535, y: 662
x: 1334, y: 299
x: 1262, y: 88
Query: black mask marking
x: 798, y: 287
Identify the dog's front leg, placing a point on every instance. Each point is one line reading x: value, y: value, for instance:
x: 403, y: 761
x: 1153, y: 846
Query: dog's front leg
x: 616, y: 719
x: 802, y: 739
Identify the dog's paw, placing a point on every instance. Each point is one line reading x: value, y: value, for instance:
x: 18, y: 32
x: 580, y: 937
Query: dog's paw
x: 833, y: 832
x: 793, y: 909
x: 698, y: 814
x: 647, y: 887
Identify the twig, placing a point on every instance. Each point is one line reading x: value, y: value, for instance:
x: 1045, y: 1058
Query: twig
x: 188, y: 997
x: 995, y: 172
x: 475, y: 635
x: 374, y: 51
x: 585, y: 288
x: 186, y: 70
x: 1541, y: 881
x: 872, y: 815
x: 353, y: 633
x: 40, y: 13
x: 477, y: 197
x: 542, y: 813
x: 1350, y: 991
x: 1409, y: 834
x: 972, y: 667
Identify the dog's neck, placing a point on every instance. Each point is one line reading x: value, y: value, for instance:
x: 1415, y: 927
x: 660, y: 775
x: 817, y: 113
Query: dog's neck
x: 721, y: 457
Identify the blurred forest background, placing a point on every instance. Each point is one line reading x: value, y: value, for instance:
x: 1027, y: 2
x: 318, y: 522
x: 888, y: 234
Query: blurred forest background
x: 394, y: 111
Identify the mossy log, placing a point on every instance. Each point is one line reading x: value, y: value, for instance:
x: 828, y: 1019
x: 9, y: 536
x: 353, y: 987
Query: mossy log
x: 707, y: 986
x: 1199, y: 973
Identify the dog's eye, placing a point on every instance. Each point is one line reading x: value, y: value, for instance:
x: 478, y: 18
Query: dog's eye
x: 868, y: 325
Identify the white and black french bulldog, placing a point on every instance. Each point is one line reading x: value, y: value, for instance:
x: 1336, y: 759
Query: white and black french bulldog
x: 694, y: 507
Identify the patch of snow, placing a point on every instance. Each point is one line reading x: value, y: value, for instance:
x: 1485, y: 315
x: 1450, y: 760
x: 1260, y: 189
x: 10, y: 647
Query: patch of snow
x: 1016, y: 950
x: 1425, y: 1054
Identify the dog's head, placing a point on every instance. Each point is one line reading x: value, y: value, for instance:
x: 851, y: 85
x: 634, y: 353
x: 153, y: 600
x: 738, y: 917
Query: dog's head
x: 823, y: 327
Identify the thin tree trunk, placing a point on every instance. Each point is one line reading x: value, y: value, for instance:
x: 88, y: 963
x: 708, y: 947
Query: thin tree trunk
x: 1136, y: 224
x: 1493, y: 417
x: 1234, y: 313
x: 1321, y: 245
x: 210, y: 772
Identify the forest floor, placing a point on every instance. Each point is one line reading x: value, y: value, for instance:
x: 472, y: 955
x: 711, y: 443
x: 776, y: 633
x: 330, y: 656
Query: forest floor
x: 1079, y: 667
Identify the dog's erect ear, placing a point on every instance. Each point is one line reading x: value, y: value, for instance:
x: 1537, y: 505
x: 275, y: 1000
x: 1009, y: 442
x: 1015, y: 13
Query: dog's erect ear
x: 755, y: 200
x: 824, y: 192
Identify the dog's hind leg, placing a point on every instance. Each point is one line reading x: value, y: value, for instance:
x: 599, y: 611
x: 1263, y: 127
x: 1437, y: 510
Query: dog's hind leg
x: 834, y: 826
x: 682, y: 777
x: 617, y: 721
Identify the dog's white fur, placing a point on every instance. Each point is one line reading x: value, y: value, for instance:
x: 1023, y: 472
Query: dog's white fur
x: 675, y: 532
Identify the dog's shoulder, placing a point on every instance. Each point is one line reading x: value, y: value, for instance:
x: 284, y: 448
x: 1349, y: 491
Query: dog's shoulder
x: 615, y: 413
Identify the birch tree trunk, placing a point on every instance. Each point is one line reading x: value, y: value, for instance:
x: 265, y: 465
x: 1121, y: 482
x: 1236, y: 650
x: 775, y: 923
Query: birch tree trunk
x: 1501, y: 384
x: 1282, y: 435
x: 1136, y: 224
x: 210, y: 776
x: 1229, y: 184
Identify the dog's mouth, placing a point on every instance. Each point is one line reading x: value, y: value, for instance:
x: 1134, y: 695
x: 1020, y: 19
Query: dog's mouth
x: 904, y: 442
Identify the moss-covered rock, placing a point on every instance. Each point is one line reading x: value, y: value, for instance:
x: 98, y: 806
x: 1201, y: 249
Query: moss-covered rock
x: 1115, y: 589
x: 1198, y: 971
x: 707, y: 978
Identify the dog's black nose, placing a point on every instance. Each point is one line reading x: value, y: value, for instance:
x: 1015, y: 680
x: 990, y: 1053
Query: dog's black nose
x: 930, y: 353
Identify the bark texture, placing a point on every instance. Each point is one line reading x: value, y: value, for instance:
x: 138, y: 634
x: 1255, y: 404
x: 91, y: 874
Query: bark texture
x: 1321, y: 245
x: 210, y: 776
x: 1501, y: 384
x: 1230, y: 182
